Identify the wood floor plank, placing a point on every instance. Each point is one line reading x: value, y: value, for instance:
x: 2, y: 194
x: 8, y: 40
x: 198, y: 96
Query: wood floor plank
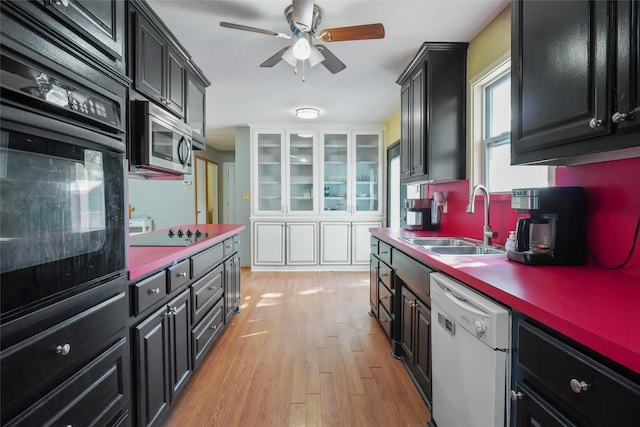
x: 303, y: 351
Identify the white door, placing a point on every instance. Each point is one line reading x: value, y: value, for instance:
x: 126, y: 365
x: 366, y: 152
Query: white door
x: 362, y: 241
x: 301, y: 243
x: 335, y: 242
x: 229, y: 193
x: 201, y: 191
x: 212, y: 193
x: 268, y: 241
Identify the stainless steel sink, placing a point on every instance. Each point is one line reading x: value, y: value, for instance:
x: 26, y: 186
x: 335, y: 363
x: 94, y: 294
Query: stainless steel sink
x: 438, y: 241
x: 465, y: 250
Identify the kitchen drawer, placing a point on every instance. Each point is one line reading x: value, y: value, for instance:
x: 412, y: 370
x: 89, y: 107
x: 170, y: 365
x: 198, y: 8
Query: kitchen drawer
x: 374, y: 245
x: 386, y: 275
x: 178, y: 275
x: 384, y: 252
x: 386, y: 321
x: 386, y: 297
x: 229, y: 247
x: 205, y: 333
x: 206, y: 292
x: 149, y: 291
x: 554, y: 369
x: 94, y: 396
x: 414, y: 274
x: 206, y: 260
x: 34, y: 367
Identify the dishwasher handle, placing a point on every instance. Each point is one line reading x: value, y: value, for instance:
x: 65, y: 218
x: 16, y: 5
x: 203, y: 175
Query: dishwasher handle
x: 460, y: 300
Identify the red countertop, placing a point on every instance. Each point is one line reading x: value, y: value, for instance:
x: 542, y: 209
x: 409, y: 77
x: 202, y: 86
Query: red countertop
x: 596, y: 307
x: 145, y: 259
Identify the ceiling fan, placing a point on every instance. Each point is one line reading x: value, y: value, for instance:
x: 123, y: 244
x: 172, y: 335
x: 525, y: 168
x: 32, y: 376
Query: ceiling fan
x: 304, y: 17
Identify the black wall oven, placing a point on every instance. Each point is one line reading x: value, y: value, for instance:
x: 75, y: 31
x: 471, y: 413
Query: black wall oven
x: 62, y: 172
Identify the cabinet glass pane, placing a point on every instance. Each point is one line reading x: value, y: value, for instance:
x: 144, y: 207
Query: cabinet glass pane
x: 366, y: 173
x: 300, y: 173
x: 335, y: 172
x: 269, y: 172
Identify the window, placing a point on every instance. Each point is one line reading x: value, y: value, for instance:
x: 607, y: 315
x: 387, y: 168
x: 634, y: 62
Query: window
x: 491, y: 134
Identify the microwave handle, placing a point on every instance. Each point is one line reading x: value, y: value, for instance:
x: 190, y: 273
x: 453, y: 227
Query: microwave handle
x: 184, y: 154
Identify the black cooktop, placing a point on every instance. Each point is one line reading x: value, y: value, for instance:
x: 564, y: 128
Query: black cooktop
x: 173, y: 237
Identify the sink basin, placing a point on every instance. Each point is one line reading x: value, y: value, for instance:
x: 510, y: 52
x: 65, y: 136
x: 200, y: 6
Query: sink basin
x: 438, y: 241
x: 465, y: 250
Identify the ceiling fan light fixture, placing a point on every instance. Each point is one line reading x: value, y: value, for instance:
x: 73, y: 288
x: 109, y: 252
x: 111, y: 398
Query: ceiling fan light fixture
x: 302, y: 48
x: 307, y: 113
x: 315, y: 57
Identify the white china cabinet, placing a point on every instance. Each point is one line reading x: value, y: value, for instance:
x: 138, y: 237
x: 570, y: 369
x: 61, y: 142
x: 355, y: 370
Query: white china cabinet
x: 315, y: 195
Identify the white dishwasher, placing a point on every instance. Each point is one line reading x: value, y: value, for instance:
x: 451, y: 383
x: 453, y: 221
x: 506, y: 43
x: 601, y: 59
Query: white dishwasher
x: 471, y: 355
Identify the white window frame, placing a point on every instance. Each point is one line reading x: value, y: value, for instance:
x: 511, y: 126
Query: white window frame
x: 477, y: 143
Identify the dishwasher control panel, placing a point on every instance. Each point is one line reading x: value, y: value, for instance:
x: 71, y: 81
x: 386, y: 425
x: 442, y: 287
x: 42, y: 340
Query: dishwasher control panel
x: 464, y: 307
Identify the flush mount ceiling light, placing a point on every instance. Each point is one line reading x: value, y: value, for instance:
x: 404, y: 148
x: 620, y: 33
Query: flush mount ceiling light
x: 307, y: 113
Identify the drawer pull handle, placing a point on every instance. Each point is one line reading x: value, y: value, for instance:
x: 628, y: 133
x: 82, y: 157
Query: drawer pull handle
x: 516, y: 395
x: 214, y: 327
x: 578, y: 386
x: 212, y: 288
x: 384, y: 297
x: 384, y: 274
x: 63, y: 349
x: 383, y: 320
x: 183, y: 274
x: 154, y: 291
x: 384, y: 252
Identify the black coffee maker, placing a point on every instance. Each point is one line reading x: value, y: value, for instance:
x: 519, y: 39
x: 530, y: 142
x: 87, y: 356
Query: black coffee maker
x: 555, y: 233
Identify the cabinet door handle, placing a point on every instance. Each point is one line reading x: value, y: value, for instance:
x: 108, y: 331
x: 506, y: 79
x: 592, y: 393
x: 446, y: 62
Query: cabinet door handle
x: 63, y: 349
x: 594, y: 123
x: 618, y: 117
x: 578, y: 386
x: 154, y: 291
x: 183, y: 274
x: 516, y: 395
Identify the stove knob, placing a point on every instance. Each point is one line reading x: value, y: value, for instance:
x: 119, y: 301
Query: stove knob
x: 479, y: 326
x: 198, y: 232
x: 189, y: 233
x: 171, y: 233
x: 180, y: 233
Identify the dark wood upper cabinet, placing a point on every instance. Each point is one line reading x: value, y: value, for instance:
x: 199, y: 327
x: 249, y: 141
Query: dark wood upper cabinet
x: 195, y: 110
x: 433, y: 114
x: 159, y: 71
x: 574, y: 91
x: 94, y: 29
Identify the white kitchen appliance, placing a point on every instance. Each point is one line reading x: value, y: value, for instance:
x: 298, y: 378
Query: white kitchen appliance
x: 471, y: 356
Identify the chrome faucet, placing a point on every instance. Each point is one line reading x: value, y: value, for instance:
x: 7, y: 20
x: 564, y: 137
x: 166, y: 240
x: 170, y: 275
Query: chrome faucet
x: 487, y: 232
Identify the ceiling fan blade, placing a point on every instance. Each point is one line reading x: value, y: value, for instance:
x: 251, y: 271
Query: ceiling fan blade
x: 253, y: 29
x: 274, y: 59
x: 303, y: 14
x: 357, y: 32
x: 331, y: 62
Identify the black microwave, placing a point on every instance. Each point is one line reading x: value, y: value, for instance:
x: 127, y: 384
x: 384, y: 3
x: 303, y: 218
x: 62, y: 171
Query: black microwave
x: 160, y: 143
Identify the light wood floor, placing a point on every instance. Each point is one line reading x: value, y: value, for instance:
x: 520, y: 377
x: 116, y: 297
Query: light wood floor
x: 302, y: 352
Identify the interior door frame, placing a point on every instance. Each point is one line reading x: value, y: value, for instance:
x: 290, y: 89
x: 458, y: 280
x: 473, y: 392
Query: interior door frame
x: 393, y: 151
x: 207, y: 181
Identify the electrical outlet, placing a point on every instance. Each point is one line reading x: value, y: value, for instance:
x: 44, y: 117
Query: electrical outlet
x: 444, y: 206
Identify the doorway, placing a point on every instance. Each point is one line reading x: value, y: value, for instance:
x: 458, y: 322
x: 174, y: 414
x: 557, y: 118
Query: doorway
x: 396, y: 192
x: 228, y: 193
x: 206, y: 177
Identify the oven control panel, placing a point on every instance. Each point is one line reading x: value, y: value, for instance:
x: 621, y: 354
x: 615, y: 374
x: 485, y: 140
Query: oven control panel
x: 40, y: 84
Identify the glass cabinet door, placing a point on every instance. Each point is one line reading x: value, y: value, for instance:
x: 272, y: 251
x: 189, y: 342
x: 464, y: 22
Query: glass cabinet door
x: 335, y: 172
x: 300, y: 184
x: 367, y: 173
x: 269, y: 173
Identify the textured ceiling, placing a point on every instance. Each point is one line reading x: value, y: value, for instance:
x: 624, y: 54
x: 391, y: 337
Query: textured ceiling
x: 365, y: 92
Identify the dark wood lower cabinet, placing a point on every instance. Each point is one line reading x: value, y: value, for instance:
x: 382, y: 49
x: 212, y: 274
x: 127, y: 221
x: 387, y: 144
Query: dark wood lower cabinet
x: 232, y: 286
x: 415, y: 339
x: 163, y: 357
x: 556, y: 382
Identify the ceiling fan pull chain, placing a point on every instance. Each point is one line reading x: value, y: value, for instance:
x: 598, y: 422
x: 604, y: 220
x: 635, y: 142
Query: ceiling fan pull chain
x: 303, y: 79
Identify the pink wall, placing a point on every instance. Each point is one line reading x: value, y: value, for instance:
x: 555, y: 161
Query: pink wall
x: 614, y: 209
